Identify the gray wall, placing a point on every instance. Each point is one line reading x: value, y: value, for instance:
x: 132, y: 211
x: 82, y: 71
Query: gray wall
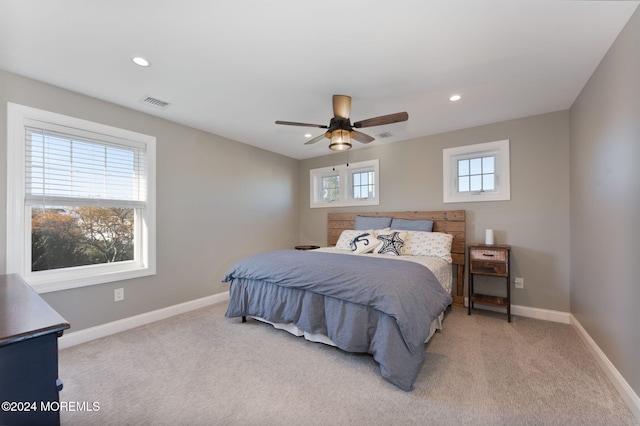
x: 239, y: 191
x: 217, y: 201
x: 535, y: 222
x: 605, y: 204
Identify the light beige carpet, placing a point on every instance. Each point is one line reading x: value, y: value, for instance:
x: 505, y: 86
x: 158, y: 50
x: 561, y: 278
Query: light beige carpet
x: 201, y: 368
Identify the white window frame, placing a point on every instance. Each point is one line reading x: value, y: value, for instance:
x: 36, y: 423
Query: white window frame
x: 345, y: 171
x: 450, y: 157
x: 19, y: 217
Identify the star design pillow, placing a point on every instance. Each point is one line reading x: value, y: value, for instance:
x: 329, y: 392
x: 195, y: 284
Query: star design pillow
x: 392, y: 243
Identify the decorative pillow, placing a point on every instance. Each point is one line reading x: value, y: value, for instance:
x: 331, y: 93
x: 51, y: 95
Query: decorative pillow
x: 344, y: 242
x: 392, y: 243
x: 429, y: 244
x: 372, y: 222
x: 412, y: 225
x: 366, y: 242
x: 357, y: 241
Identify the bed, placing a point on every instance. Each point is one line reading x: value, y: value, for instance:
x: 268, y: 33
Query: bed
x: 387, y: 303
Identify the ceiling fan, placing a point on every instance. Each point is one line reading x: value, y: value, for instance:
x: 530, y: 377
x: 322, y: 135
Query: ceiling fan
x: 341, y: 131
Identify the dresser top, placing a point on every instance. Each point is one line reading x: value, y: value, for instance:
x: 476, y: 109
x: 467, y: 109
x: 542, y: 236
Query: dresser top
x: 23, y: 313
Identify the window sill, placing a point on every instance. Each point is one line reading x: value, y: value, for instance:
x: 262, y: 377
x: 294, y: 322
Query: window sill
x: 471, y: 198
x: 66, y: 280
x: 364, y: 202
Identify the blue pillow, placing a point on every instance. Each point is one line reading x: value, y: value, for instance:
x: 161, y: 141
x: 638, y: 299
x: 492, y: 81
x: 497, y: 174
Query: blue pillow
x: 412, y: 225
x: 372, y: 222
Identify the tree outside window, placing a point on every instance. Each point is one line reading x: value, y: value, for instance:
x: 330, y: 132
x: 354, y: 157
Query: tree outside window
x: 331, y: 188
x: 63, y: 237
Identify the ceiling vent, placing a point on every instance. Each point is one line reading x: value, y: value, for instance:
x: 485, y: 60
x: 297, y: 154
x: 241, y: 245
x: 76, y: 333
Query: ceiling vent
x: 156, y: 103
x: 384, y: 135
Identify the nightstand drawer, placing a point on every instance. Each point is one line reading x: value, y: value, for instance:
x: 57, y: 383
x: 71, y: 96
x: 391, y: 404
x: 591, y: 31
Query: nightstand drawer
x: 489, y: 254
x: 488, y: 268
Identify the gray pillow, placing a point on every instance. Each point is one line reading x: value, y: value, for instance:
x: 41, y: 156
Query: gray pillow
x: 412, y: 225
x: 372, y: 222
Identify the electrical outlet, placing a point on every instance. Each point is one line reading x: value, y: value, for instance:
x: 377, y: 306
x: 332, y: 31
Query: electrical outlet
x: 519, y: 282
x: 118, y: 294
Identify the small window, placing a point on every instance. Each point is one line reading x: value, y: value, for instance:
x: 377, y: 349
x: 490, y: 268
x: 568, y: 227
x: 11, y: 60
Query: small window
x: 364, y: 184
x: 476, y: 172
x: 80, y: 201
x: 352, y: 184
x: 330, y: 188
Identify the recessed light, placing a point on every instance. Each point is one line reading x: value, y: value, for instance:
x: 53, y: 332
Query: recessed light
x: 308, y: 135
x: 455, y: 98
x: 141, y: 61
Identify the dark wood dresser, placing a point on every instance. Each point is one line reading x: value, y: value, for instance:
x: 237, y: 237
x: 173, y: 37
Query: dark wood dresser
x: 29, y: 331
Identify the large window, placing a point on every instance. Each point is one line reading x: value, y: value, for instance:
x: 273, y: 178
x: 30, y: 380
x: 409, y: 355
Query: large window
x: 353, y: 184
x: 476, y: 172
x: 81, y: 206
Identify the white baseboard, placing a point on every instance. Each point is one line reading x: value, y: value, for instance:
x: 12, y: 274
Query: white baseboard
x: 88, y: 334
x: 526, y: 311
x: 543, y: 314
x: 628, y: 395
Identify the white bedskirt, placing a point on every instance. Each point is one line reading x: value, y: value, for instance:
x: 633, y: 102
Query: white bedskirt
x: 436, y: 325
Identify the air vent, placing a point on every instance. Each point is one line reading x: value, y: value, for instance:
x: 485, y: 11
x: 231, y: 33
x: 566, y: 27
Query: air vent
x: 156, y: 103
x: 384, y: 135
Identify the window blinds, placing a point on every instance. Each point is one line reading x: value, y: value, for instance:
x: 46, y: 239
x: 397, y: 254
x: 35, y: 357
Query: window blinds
x: 63, y: 169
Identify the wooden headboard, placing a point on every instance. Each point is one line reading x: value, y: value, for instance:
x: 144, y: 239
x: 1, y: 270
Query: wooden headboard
x: 449, y: 221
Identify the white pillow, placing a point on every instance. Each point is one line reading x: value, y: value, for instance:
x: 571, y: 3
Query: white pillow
x: 414, y: 239
x: 391, y: 242
x: 357, y: 241
x: 429, y: 244
x: 378, y: 231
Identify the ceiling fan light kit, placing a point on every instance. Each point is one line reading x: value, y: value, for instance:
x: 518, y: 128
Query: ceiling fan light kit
x: 340, y: 130
x: 340, y: 140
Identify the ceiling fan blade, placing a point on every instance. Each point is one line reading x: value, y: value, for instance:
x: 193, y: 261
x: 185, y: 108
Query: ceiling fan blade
x: 341, y: 106
x: 383, y: 119
x: 362, y: 138
x: 293, y: 123
x: 316, y: 139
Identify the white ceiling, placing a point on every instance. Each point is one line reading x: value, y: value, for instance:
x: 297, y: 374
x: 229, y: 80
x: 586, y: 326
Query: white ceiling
x: 234, y: 67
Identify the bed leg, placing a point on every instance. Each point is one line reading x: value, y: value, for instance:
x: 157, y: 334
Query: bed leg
x: 244, y: 319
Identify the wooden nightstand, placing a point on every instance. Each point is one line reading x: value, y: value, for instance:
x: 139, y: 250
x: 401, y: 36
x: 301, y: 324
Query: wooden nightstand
x: 490, y: 260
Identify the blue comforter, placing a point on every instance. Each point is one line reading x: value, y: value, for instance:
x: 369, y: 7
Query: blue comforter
x: 401, y: 300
